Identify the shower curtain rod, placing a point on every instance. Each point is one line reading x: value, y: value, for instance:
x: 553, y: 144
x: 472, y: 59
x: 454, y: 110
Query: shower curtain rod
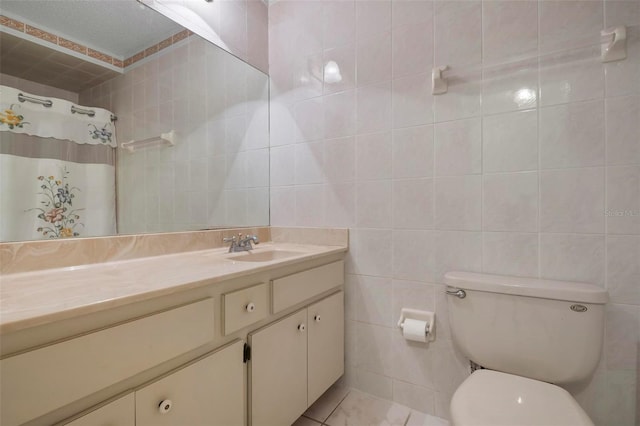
x: 48, y: 103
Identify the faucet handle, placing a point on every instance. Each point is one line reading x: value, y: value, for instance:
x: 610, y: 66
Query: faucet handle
x: 229, y: 239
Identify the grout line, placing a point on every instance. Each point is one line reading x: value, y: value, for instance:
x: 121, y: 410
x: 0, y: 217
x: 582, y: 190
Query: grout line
x: 605, y: 336
x: 539, y: 169
x: 337, y: 405
x: 482, y: 171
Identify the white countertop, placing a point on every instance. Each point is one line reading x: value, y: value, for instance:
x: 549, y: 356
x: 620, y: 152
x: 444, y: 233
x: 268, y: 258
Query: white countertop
x: 34, y: 298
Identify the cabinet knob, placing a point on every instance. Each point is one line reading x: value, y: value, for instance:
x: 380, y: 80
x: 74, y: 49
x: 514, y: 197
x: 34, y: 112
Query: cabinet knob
x: 165, y: 406
x: 251, y: 307
x: 317, y: 318
x: 302, y: 327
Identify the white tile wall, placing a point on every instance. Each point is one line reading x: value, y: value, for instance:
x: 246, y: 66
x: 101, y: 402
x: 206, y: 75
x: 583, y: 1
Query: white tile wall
x: 572, y: 200
x: 510, y: 142
x: 413, y: 203
x: 622, y: 130
x: 458, y: 32
x: 373, y: 152
x: 566, y: 24
x: 510, y: 202
x: 510, y: 253
x: 572, y: 135
x: 510, y: 28
x: 374, y: 108
x: 529, y: 166
x: 458, y: 147
x: 459, y: 203
x: 412, y: 155
x: 373, y: 300
x: 412, y: 101
x: 413, y: 255
x: 373, y: 59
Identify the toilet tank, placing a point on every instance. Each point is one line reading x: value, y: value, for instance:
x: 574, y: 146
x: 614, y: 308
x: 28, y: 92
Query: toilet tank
x: 542, y: 329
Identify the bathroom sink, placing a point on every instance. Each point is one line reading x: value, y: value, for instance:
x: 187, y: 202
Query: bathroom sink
x: 265, y: 256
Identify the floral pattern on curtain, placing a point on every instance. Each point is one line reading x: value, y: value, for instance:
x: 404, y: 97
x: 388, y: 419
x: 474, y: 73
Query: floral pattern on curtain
x: 57, y: 170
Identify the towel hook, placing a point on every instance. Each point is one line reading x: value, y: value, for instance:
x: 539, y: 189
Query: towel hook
x: 616, y: 49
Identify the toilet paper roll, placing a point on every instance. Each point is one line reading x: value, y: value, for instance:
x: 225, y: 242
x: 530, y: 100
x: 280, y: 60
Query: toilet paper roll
x: 414, y: 330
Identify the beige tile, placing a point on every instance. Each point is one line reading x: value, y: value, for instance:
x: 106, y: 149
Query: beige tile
x: 417, y: 419
x: 421, y: 419
x: 359, y: 409
x: 328, y: 401
x: 373, y: 384
x: 414, y: 396
x: 304, y: 421
x: 324, y: 236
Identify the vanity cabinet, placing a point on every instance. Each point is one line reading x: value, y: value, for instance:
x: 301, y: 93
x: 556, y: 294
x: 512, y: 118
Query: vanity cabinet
x: 182, y: 359
x: 295, y: 360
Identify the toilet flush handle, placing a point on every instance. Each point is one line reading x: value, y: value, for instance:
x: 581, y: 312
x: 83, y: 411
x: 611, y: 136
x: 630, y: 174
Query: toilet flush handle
x: 458, y: 293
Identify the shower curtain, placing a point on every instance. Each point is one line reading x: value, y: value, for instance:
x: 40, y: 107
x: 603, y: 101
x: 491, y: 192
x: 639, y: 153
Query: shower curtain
x: 57, y: 169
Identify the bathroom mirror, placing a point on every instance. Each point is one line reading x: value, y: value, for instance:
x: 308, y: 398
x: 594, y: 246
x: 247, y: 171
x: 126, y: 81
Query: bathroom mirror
x: 117, y: 120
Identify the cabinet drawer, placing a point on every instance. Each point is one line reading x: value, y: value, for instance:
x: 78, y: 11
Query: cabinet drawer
x: 293, y: 289
x: 244, y: 307
x: 37, y: 382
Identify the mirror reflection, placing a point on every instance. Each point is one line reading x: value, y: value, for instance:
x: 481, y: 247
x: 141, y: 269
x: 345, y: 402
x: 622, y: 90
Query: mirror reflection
x: 134, y: 125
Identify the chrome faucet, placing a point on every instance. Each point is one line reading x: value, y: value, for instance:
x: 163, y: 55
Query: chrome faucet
x: 241, y: 244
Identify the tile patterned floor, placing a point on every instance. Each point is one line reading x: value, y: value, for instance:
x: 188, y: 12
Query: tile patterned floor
x: 349, y: 407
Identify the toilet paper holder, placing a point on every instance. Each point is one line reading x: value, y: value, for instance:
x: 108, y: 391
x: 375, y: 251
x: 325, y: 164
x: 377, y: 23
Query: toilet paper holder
x: 419, y: 315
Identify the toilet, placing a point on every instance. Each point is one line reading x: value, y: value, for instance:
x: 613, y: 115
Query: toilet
x: 528, y: 336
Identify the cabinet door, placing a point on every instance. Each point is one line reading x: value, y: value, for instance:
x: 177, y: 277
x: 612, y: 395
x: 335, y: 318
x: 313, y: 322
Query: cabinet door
x: 120, y: 412
x: 326, y: 344
x: 207, y: 392
x: 278, y: 371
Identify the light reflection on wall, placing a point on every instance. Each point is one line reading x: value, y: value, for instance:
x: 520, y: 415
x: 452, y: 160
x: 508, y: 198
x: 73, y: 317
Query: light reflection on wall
x: 525, y: 97
x: 332, y: 73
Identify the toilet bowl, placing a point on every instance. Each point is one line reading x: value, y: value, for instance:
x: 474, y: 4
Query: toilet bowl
x: 492, y: 398
x: 529, y: 336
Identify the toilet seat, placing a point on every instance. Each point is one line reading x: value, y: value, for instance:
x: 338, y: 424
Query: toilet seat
x: 491, y: 398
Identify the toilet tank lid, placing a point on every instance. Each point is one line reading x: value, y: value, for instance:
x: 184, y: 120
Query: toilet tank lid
x: 532, y: 287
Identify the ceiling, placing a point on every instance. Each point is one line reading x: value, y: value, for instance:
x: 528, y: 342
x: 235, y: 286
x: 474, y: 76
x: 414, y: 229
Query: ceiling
x: 120, y: 28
